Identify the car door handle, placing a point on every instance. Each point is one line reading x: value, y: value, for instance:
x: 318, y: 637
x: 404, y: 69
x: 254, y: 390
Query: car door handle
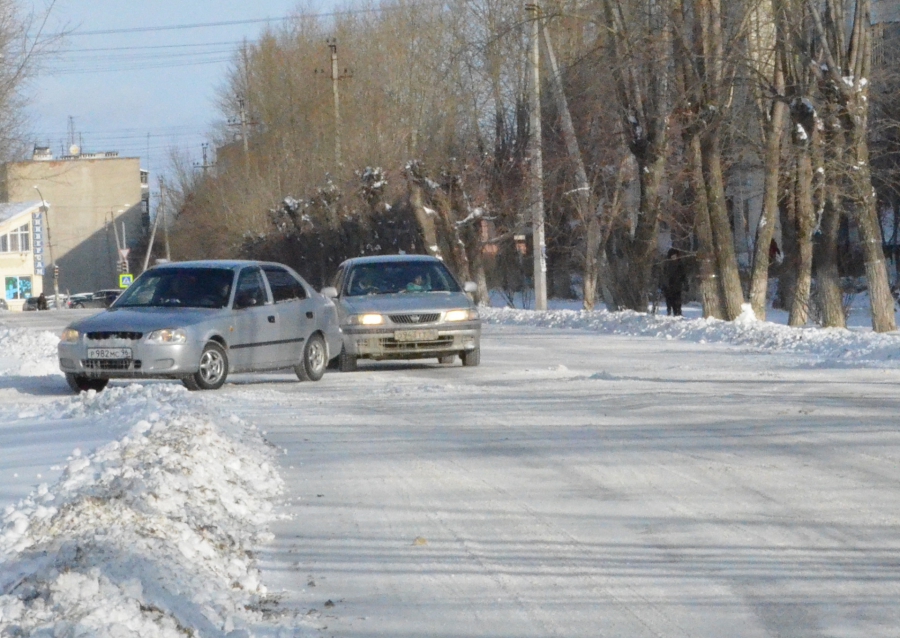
x: 309, y: 315
x: 271, y: 318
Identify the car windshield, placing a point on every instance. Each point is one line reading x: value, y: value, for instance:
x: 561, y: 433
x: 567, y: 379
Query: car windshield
x: 179, y: 288
x: 393, y: 277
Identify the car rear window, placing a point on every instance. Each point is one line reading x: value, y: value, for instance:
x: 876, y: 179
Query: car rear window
x: 393, y: 277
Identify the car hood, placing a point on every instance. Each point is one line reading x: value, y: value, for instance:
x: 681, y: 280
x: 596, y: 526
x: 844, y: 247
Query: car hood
x: 144, y: 319
x: 406, y: 302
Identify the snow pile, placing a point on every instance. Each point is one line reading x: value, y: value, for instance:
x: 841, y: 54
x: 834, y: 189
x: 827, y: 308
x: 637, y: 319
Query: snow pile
x: 850, y: 346
x: 28, y: 353
x: 150, y: 535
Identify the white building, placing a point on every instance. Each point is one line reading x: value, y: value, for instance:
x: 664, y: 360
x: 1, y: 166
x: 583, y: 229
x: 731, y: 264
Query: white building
x: 22, y: 245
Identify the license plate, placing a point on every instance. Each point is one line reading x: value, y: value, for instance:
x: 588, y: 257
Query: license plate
x: 109, y: 353
x: 415, y: 335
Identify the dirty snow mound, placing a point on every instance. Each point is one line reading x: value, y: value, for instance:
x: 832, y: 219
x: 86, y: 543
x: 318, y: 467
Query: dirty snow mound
x: 150, y: 535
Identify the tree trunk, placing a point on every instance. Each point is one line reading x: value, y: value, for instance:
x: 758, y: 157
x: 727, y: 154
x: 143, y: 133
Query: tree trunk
x: 765, y: 232
x: 726, y: 260
x: 710, y: 291
x: 828, y: 279
x: 643, y: 248
x: 424, y: 217
x: 591, y: 263
x: 883, y: 318
x: 805, y: 220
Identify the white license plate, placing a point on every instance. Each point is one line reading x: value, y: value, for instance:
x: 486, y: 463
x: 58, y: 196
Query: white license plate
x: 415, y: 335
x: 109, y: 353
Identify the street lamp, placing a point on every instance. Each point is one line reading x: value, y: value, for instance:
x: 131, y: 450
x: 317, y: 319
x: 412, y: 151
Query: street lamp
x: 45, y: 211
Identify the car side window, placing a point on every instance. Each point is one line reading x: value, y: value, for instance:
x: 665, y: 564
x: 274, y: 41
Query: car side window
x: 251, y: 290
x: 284, y: 285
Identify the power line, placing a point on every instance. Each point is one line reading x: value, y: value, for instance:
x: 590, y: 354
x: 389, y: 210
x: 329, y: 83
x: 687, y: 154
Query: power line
x: 161, y: 46
x: 176, y: 27
x: 228, y: 23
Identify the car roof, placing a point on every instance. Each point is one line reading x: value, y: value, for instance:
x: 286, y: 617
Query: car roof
x: 231, y: 264
x: 388, y: 259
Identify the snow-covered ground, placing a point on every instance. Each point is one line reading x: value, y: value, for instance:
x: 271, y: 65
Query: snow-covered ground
x: 599, y: 474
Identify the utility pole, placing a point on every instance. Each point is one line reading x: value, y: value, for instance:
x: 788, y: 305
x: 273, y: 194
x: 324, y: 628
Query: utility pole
x: 45, y: 211
x: 162, y: 211
x: 244, y: 125
x: 125, y: 250
x: 205, y: 165
x: 335, y: 76
x: 150, y: 243
x: 535, y: 163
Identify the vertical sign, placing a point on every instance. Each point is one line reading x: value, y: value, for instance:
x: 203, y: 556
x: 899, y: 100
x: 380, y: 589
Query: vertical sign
x: 37, y: 242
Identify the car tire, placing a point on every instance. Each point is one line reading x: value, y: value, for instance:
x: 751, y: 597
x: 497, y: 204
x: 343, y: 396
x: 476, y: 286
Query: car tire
x: 315, y: 359
x: 78, y: 305
x: 346, y: 361
x: 80, y: 383
x: 447, y: 359
x: 471, y: 358
x: 213, y: 369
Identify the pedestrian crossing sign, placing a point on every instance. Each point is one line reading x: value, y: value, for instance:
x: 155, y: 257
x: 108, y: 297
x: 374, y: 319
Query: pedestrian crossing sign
x: 125, y: 279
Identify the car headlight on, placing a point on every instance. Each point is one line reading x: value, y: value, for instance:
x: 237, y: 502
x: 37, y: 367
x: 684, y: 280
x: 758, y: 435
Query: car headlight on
x: 368, y: 319
x: 70, y: 336
x: 461, y: 315
x: 169, y: 335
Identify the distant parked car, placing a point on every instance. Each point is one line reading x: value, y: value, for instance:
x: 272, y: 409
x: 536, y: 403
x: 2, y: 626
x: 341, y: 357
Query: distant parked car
x: 404, y: 307
x: 99, y: 299
x: 199, y: 321
x: 3, y: 304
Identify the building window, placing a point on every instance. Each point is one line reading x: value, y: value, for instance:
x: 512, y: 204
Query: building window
x: 18, y: 287
x: 17, y: 241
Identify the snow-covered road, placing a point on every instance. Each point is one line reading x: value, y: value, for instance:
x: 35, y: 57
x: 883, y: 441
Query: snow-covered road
x: 610, y: 476
x: 586, y: 485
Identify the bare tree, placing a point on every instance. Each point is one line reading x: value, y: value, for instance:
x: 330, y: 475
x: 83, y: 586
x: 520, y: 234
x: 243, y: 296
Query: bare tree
x: 639, y: 46
x: 844, y: 74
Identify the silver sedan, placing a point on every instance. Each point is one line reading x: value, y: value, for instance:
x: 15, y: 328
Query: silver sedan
x: 404, y: 307
x: 198, y: 321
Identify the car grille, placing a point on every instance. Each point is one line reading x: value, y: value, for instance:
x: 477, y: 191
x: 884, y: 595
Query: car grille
x: 414, y: 318
x: 111, y: 364
x: 390, y: 345
x: 103, y: 336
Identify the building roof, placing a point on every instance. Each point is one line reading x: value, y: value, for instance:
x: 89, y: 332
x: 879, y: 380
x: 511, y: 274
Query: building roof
x: 9, y: 211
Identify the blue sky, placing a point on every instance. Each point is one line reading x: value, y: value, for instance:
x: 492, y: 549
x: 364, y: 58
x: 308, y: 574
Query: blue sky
x: 121, y: 87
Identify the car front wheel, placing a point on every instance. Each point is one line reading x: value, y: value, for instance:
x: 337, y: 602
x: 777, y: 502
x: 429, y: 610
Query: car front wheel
x: 213, y: 369
x: 80, y: 383
x: 471, y: 357
x: 315, y: 359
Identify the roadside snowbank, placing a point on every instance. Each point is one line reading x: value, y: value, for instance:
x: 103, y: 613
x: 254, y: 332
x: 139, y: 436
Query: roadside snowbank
x: 851, y: 347
x: 149, y: 535
x: 28, y: 353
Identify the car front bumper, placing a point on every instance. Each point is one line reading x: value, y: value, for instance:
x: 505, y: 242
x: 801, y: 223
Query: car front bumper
x: 386, y: 342
x: 147, y: 360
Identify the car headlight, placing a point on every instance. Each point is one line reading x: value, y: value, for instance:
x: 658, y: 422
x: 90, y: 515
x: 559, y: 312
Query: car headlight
x: 70, y: 336
x: 461, y: 315
x: 169, y: 335
x: 368, y: 319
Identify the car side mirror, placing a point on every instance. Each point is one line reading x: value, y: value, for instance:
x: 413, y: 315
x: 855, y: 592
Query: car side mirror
x: 330, y: 292
x: 470, y: 287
